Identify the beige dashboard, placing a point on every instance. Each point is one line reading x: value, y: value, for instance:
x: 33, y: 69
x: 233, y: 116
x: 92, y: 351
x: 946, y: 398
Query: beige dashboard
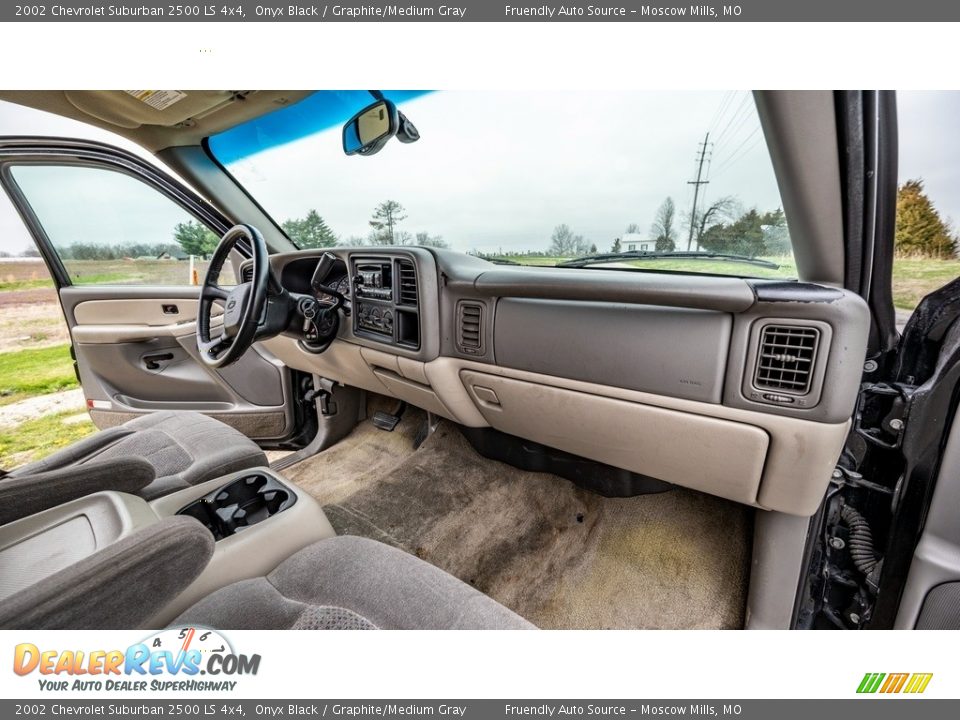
x: 648, y: 397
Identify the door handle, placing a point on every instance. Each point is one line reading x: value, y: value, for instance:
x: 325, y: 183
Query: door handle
x: 152, y: 362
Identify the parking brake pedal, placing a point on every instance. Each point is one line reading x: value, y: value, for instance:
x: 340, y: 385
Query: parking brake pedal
x: 389, y: 421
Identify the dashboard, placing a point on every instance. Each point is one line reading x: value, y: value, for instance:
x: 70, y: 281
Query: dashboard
x: 739, y: 388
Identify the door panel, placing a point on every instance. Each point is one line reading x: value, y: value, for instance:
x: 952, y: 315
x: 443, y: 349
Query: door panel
x: 136, y: 358
x: 120, y: 238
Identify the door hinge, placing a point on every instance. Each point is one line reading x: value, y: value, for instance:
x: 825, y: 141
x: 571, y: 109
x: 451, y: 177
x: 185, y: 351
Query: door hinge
x: 881, y: 414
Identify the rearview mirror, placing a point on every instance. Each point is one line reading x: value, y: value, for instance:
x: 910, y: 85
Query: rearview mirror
x: 368, y: 131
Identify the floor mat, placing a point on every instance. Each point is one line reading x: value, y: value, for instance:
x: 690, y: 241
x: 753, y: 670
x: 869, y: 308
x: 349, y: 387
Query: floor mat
x: 560, y: 556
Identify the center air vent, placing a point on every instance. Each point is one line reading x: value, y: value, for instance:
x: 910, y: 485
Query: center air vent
x: 786, y: 358
x: 470, y: 328
x: 408, y: 283
x: 246, y: 273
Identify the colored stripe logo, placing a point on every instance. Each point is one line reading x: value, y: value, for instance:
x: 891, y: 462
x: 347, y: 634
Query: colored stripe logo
x: 887, y: 683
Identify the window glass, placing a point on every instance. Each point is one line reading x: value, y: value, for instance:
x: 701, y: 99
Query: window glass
x: 529, y: 177
x: 112, y: 229
x: 928, y: 197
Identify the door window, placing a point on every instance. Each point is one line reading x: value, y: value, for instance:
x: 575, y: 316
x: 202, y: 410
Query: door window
x: 109, y: 228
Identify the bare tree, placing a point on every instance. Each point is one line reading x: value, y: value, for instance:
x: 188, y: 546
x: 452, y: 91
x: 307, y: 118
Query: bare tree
x: 565, y: 243
x: 662, y: 230
x: 427, y: 240
x: 719, y: 211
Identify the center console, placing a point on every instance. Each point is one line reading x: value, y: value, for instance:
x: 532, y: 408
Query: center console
x: 386, y: 300
x: 240, y: 504
x: 257, y: 518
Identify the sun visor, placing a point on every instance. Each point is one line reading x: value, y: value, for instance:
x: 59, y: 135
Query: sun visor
x: 136, y: 108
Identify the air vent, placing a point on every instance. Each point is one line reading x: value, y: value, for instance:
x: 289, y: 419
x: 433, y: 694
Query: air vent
x: 786, y: 357
x: 470, y: 328
x: 246, y: 273
x: 408, y: 283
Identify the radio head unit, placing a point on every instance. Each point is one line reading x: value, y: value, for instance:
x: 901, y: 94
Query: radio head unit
x: 374, y: 280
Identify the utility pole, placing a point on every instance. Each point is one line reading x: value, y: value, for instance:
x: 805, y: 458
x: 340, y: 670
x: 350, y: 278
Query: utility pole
x: 696, y: 188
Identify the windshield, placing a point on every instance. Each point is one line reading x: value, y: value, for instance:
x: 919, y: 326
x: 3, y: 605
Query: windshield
x: 668, y: 181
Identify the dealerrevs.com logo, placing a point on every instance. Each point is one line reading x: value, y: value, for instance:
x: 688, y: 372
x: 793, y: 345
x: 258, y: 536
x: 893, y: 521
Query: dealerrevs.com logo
x: 892, y: 683
x: 173, y: 659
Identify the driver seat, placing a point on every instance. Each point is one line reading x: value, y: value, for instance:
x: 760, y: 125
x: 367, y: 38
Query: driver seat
x: 151, y: 456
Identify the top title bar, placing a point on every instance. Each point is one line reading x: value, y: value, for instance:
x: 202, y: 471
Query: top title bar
x: 487, y: 11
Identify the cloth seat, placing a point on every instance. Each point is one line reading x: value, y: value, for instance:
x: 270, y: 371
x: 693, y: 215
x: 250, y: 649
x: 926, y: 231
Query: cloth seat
x: 352, y: 583
x: 184, y: 448
x: 341, y: 583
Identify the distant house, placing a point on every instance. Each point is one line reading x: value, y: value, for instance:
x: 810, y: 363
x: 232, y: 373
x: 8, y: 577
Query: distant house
x: 175, y: 255
x: 635, y: 242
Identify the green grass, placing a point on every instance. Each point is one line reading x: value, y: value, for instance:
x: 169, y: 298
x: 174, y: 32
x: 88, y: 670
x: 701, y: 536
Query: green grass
x: 913, y: 278
x: 107, y: 278
x: 34, y: 439
x: 26, y: 373
x: 10, y: 285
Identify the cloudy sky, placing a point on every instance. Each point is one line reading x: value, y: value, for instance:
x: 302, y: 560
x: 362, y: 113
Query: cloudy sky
x: 501, y: 170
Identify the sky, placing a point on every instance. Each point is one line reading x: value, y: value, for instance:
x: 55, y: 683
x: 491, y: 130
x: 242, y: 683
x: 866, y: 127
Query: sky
x: 498, y: 171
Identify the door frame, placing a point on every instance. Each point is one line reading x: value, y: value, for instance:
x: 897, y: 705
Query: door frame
x: 28, y: 150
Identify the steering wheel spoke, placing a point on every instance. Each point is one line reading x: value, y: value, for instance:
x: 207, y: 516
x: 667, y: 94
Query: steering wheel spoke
x: 213, y: 291
x: 215, y: 346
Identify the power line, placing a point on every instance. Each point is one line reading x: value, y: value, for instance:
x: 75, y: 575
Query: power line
x: 734, y: 156
x: 721, y: 109
x: 736, y: 114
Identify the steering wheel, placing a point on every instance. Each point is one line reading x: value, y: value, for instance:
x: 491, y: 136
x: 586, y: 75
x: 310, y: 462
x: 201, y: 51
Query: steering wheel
x: 244, y: 305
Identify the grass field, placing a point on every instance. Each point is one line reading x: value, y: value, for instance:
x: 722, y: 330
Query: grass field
x: 35, y: 371
x: 35, y: 439
x: 20, y: 275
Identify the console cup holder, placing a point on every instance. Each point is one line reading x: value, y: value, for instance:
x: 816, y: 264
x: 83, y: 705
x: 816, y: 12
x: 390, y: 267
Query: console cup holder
x: 240, y: 504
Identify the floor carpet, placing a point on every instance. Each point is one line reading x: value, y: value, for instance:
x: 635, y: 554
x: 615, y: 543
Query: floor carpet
x: 560, y: 556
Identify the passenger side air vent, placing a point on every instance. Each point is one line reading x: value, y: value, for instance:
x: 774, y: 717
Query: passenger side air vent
x: 408, y: 283
x: 470, y: 328
x: 785, y: 358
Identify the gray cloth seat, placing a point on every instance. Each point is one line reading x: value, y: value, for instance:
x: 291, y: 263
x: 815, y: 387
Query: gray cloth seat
x: 342, y: 583
x: 184, y: 448
x: 352, y: 583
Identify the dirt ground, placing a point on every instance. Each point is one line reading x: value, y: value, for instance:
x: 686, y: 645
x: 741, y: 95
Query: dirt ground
x: 30, y: 319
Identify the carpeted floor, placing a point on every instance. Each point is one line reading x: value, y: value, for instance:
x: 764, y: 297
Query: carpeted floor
x: 560, y: 556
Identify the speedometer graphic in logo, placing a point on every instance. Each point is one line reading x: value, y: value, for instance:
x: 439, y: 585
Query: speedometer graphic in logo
x: 183, y: 639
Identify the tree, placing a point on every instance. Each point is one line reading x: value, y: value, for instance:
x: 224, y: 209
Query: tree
x: 744, y: 236
x: 195, y: 238
x: 565, y: 243
x: 920, y: 230
x: 662, y: 229
x: 386, y: 216
x: 311, y: 231
x: 427, y: 240
x: 776, y: 237
x: 632, y: 228
x: 719, y: 211
x: 30, y: 252
x: 593, y: 248
x: 615, y: 248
